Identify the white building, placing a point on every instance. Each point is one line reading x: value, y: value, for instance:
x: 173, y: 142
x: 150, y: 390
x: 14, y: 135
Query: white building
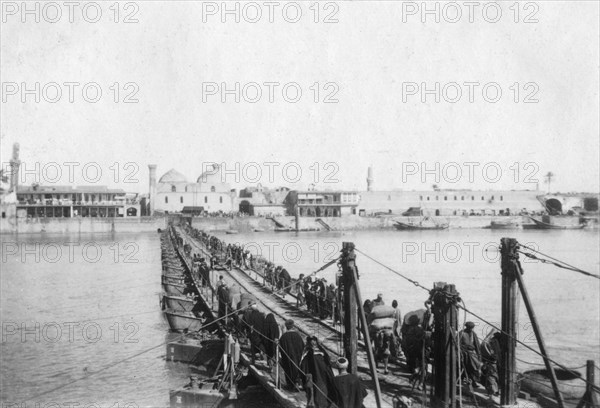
x: 210, y: 192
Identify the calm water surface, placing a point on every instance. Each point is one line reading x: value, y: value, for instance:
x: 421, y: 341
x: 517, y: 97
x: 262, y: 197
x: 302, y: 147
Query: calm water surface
x: 100, y: 333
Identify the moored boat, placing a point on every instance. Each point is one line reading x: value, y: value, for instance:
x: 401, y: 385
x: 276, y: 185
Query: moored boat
x: 538, y: 382
x: 495, y: 225
x: 413, y: 226
x: 181, y: 303
x: 537, y: 224
x: 173, y: 288
x: 176, y: 279
x: 183, y: 321
x: 196, y: 394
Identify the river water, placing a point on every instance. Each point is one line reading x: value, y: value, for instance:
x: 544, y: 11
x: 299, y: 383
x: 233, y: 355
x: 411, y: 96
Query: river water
x: 81, y: 322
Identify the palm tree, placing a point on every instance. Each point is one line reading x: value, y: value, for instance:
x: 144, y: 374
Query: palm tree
x: 548, y: 177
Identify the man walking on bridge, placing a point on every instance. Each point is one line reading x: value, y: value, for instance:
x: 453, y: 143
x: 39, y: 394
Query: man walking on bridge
x: 291, y: 345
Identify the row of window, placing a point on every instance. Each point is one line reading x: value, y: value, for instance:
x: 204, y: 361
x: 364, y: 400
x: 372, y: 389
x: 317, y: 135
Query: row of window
x: 174, y: 189
x: 181, y: 200
x: 462, y: 198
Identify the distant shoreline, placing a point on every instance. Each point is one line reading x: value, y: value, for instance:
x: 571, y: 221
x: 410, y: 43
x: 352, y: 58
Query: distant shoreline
x: 10, y: 226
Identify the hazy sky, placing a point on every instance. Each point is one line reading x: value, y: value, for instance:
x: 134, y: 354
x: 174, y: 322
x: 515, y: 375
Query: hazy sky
x: 373, y: 60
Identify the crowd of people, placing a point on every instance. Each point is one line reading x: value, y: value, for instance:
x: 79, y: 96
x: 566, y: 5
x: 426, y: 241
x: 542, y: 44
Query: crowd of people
x: 299, y: 358
x: 306, y: 364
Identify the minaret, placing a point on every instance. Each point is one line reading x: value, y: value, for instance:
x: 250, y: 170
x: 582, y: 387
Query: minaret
x: 370, y: 179
x: 15, y: 163
x: 152, y: 187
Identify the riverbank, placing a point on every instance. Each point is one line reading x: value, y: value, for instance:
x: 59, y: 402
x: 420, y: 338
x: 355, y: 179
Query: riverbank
x: 251, y: 224
x: 81, y: 225
x: 357, y: 223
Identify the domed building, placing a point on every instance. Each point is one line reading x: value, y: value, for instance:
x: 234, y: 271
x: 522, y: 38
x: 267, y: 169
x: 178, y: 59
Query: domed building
x: 209, y: 193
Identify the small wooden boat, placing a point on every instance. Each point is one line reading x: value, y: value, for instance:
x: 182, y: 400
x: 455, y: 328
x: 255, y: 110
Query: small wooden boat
x: 183, y: 321
x: 497, y: 225
x: 177, y: 279
x: 538, y: 382
x: 283, y: 229
x: 180, y: 303
x: 174, y: 288
x: 412, y: 226
x: 259, y: 230
x: 537, y: 224
x: 196, y: 395
x: 231, y: 232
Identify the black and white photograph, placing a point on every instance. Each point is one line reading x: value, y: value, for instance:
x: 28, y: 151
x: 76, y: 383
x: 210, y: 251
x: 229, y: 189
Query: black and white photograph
x: 299, y: 204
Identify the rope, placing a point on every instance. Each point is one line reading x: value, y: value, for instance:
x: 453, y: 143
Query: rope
x: 556, y: 262
x: 414, y: 282
x: 482, y: 319
x: 528, y: 347
x: 127, y: 358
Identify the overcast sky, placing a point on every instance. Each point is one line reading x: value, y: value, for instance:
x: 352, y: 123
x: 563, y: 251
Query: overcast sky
x: 369, y: 61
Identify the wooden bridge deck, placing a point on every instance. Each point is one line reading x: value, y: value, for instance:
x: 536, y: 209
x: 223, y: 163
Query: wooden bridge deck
x: 393, y: 384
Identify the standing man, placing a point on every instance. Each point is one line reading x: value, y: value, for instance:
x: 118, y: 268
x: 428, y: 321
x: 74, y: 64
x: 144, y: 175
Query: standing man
x: 291, y: 345
x: 350, y: 391
x: 316, y: 362
x: 270, y: 331
x: 470, y: 354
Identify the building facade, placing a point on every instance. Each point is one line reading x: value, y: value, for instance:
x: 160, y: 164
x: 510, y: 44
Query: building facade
x: 450, y: 202
x: 208, y: 194
x: 322, y: 203
x: 82, y: 201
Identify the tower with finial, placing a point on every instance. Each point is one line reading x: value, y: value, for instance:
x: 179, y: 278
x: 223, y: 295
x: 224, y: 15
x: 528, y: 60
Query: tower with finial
x: 370, y: 179
x: 15, y: 163
x: 152, y: 187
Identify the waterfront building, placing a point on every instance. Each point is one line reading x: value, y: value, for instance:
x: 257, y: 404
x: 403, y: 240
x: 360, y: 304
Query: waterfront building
x: 263, y: 201
x: 312, y: 203
x: 38, y: 201
x: 570, y: 203
x: 450, y: 202
x: 173, y: 192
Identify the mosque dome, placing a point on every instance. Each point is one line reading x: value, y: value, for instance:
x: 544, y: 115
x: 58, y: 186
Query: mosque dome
x: 172, y: 176
x: 212, y: 175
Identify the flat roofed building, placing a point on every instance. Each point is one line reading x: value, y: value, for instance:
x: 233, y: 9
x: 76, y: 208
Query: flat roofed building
x: 82, y: 201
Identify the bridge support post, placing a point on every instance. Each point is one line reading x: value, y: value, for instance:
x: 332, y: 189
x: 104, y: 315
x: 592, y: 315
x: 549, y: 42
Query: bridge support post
x: 514, y: 260
x: 507, y: 366
x: 352, y: 302
x: 350, y: 308
x: 589, y: 399
x: 444, y: 298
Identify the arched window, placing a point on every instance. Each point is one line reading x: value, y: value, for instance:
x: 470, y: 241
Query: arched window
x: 462, y: 198
x: 427, y: 198
x: 221, y: 200
x: 205, y: 199
x: 455, y: 198
x: 437, y: 198
x: 445, y: 198
x: 501, y: 198
x: 212, y: 189
x: 181, y: 199
x: 482, y: 198
x: 472, y: 198
x: 173, y: 189
x: 166, y: 200
x: 186, y: 189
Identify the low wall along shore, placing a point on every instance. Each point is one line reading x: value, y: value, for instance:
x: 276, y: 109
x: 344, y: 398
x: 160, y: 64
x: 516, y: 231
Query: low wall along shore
x: 80, y: 225
x: 242, y: 224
